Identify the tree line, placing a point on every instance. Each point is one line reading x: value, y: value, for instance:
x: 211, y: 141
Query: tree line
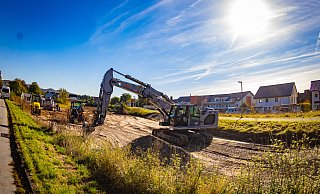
x: 127, y: 98
x: 18, y: 86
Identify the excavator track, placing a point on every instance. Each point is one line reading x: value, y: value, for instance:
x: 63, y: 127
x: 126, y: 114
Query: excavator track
x: 171, y: 136
x: 184, y: 137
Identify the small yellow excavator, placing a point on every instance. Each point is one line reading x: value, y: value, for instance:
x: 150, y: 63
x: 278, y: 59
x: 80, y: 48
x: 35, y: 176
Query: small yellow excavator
x: 36, y: 105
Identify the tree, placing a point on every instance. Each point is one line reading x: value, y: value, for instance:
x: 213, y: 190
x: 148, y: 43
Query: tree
x: 18, y: 86
x: 114, y: 100
x: 63, y: 96
x: 34, y: 88
x: 125, y: 98
x: 143, y: 101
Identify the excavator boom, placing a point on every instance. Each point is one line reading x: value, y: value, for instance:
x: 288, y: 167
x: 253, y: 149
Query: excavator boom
x: 160, y: 100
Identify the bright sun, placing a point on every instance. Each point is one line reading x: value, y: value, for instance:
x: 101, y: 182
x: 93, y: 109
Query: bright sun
x: 249, y: 18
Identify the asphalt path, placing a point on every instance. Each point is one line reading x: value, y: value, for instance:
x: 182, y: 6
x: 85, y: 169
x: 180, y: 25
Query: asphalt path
x: 6, y: 169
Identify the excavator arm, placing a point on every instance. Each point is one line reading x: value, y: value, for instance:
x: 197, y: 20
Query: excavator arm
x: 160, y: 100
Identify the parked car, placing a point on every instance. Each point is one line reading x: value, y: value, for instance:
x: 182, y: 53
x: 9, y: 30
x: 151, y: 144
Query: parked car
x: 5, y: 92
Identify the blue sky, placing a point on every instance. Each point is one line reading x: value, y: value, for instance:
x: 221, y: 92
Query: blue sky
x: 180, y: 47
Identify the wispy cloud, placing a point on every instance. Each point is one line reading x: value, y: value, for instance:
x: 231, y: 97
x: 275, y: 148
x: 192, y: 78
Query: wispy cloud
x: 318, y: 43
x: 222, y: 70
x: 98, y: 35
x: 193, y: 44
x: 176, y: 19
x: 103, y: 30
x: 251, y: 82
x: 138, y: 16
x: 119, y: 6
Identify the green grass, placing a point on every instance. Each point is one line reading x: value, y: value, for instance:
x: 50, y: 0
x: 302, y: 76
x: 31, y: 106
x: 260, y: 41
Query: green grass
x: 45, y: 160
x: 138, y: 111
x: 270, y: 126
x: 122, y: 172
x: 276, y: 115
x: 284, y: 170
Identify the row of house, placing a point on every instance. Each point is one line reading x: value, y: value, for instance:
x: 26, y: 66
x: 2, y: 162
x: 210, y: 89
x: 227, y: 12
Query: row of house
x: 272, y: 98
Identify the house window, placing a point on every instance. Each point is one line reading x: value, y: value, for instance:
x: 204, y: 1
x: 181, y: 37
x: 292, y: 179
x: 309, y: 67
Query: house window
x: 267, y: 100
x: 316, y: 95
x: 276, y: 99
x: 260, y: 100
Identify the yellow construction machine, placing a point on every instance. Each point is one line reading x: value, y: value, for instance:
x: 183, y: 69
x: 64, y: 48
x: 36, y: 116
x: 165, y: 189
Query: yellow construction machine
x: 36, y: 105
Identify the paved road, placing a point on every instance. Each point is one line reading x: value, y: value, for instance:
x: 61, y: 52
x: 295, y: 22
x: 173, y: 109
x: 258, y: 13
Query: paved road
x: 6, y: 176
x: 274, y: 119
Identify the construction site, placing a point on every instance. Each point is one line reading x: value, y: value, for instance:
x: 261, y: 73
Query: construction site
x: 179, y: 137
x: 186, y: 134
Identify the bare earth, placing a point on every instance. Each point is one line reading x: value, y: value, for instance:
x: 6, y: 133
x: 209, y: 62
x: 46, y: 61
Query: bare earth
x: 226, y: 156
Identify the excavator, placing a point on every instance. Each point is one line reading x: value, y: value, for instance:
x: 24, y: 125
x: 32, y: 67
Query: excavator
x: 36, y: 104
x: 179, y: 121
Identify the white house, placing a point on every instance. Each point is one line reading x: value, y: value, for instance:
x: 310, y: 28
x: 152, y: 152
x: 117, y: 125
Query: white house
x: 221, y: 102
x: 26, y: 97
x: 315, y: 96
x: 277, y: 98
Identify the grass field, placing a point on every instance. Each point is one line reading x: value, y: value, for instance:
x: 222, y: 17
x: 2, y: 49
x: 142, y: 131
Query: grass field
x: 276, y: 127
x: 276, y: 115
x: 51, y: 169
x: 138, y: 111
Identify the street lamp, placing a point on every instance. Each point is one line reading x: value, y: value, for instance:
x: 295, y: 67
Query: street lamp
x: 240, y: 82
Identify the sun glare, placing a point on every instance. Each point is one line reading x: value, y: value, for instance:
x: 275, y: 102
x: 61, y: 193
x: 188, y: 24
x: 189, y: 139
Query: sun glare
x: 249, y: 17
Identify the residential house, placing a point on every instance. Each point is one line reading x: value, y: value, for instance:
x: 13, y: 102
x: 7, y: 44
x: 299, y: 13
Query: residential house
x: 6, y: 82
x: 73, y: 96
x: 49, y: 90
x: 235, y: 101
x: 304, y: 97
x: 183, y: 99
x: 276, y: 98
x: 51, y: 95
x: 26, y: 97
x: 221, y: 102
x: 315, y: 90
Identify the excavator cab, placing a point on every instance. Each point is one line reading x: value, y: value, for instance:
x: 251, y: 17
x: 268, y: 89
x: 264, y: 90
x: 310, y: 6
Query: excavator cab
x: 190, y: 116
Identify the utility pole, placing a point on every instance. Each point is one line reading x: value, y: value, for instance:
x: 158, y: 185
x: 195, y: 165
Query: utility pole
x: 240, y: 82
